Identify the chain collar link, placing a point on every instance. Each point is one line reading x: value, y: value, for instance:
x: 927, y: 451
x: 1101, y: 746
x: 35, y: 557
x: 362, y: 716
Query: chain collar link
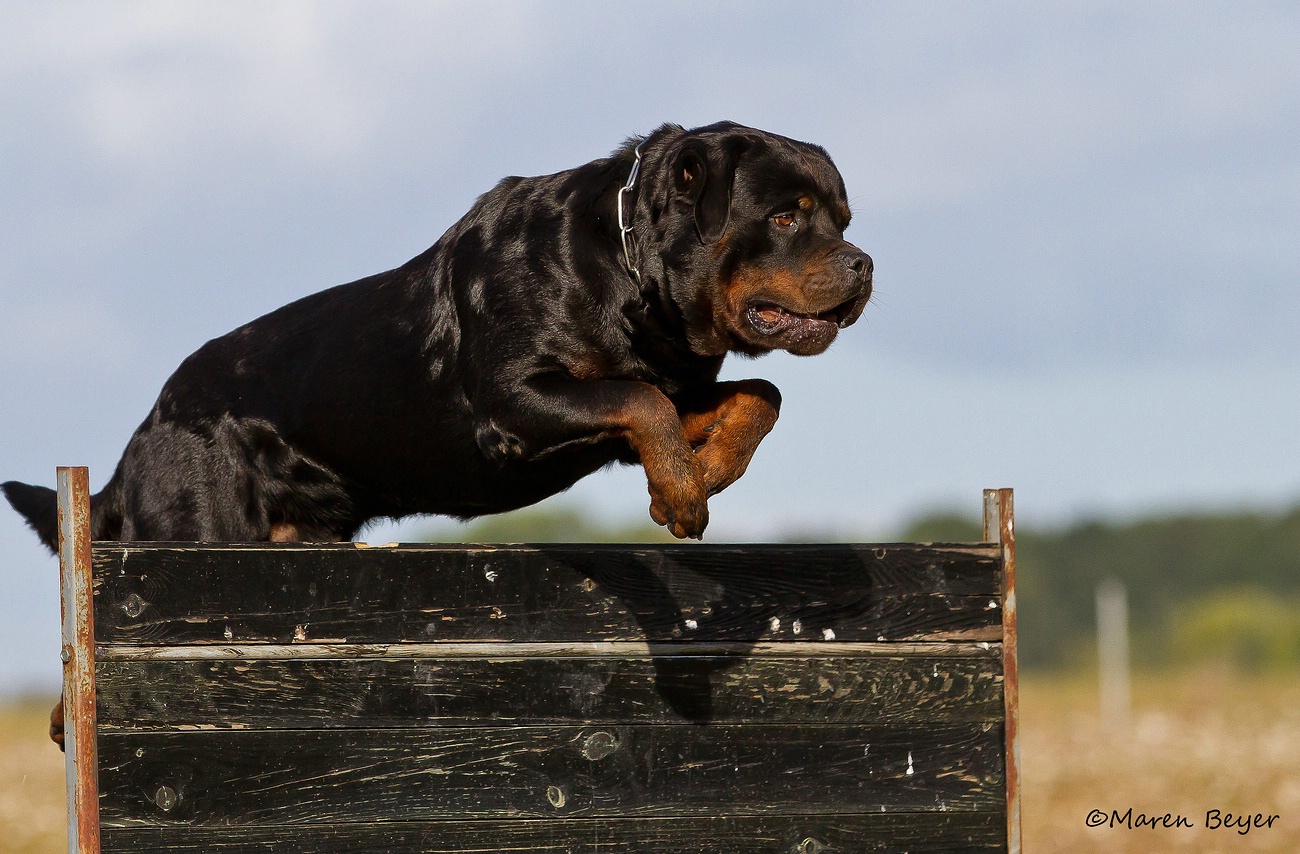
x: 625, y: 231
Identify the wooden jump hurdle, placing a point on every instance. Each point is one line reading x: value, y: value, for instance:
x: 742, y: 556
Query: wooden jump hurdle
x: 594, y: 698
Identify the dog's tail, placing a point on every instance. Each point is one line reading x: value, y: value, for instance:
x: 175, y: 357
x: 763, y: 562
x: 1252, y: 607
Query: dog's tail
x: 39, y: 506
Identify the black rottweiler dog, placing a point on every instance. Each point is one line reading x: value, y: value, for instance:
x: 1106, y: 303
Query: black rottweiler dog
x: 564, y: 323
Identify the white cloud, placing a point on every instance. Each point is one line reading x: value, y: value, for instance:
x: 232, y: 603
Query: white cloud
x: 151, y: 82
x: 1085, y: 88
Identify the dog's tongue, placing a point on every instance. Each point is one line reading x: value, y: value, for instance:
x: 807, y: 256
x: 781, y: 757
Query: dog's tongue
x: 770, y: 313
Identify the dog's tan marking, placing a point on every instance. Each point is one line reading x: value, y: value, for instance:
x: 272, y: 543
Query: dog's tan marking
x: 586, y: 367
x: 674, y: 475
x: 284, y: 532
x: 726, y: 430
x: 781, y: 285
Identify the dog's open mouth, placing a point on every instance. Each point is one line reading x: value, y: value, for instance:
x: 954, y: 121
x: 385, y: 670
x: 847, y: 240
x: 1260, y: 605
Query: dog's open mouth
x: 771, y: 319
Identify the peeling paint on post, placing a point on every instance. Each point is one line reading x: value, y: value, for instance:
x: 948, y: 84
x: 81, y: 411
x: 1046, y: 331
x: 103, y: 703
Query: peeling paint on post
x: 79, y: 660
x: 1000, y: 527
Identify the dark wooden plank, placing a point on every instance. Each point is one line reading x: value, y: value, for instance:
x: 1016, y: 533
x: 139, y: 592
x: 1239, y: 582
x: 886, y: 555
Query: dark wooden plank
x: 916, y: 833
x: 306, y: 694
x: 197, y: 594
x: 443, y: 650
x: 314, y: 776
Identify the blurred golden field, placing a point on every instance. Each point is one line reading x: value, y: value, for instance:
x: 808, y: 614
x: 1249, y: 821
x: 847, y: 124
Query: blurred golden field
x: 31, y: 782
x: 1198, y: 742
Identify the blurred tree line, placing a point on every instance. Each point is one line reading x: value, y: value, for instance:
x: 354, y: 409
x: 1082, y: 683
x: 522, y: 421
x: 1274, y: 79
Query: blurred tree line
x: 1200, y: 587
x: 557, y: 524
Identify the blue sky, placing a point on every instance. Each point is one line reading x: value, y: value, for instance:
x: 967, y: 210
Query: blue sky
x: 1084, y: 222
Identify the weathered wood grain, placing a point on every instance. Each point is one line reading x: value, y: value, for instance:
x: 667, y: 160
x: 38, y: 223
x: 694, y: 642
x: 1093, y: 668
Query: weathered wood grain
x: 320, y: 776
x: 197, y: 594
x: 405, y: 692
x: 916, y: 833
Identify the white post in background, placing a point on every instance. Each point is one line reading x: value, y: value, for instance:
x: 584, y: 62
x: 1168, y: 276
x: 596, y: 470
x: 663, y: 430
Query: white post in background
x: 1112, y: 655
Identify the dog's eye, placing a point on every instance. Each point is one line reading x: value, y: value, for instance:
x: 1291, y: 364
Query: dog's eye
x: 785, y: 220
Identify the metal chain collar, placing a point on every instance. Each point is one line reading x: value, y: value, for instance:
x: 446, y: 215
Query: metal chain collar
x: 624, y: 231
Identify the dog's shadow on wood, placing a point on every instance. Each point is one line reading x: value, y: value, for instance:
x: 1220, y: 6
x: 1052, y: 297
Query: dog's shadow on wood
x: 726, y: 600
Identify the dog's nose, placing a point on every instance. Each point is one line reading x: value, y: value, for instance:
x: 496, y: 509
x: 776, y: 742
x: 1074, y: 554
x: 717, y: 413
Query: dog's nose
x: 858, y: 262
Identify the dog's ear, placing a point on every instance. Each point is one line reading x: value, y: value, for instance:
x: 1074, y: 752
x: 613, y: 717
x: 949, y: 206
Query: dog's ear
x: 703, y: 176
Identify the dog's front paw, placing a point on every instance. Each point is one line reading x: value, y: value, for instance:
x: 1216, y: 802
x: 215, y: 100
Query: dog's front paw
x: 682, y: 508
x: 726, y: 434
x: 56, y: 724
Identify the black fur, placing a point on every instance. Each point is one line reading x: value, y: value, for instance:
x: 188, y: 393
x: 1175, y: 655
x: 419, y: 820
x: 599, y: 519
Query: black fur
x: 37, y: 504
x: 511, y: 359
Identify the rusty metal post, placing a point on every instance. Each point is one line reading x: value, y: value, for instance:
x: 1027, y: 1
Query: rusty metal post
x: 78, y: 661
x: 1000, y: 527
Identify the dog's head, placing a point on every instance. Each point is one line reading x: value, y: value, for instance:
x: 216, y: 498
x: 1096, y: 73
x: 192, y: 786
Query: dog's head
x: 751, y: 229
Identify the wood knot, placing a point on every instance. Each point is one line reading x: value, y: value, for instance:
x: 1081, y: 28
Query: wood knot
x: 598, y: 745
x: 165, y: 798
x: 133, y: 606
